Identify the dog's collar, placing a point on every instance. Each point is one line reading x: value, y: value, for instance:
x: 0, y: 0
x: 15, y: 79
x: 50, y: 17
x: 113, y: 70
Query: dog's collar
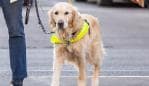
x: 84, y: 30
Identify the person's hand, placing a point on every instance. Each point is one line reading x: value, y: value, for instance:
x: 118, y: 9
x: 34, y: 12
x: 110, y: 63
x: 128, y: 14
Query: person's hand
x: 12, y: 1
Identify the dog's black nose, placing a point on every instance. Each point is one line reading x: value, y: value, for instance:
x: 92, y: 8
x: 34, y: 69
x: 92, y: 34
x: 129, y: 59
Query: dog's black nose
x: 60, y: 24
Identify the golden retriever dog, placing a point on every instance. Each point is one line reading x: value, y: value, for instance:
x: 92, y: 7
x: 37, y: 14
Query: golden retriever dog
x: 67, y: 22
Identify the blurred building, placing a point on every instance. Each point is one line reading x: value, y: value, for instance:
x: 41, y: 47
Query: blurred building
x: 142, y: 3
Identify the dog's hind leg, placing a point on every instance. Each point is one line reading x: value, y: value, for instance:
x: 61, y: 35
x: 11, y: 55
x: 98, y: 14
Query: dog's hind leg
x: 57, y: 66
x: 96, y: 56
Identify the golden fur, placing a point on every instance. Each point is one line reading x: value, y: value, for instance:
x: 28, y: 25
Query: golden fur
x: 87, y: 50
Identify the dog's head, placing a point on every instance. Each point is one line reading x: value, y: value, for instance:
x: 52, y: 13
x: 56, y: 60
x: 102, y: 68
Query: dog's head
x: 64, y: 17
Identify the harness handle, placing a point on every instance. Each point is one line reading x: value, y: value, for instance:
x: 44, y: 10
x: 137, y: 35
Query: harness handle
x: 28, y: 4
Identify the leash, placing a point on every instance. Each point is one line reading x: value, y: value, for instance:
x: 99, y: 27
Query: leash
x: 28, y: 8
x: 39, y: 19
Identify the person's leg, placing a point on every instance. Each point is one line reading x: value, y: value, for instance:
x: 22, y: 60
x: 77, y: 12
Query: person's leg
x: 17, y: 45
x: 0, y: 3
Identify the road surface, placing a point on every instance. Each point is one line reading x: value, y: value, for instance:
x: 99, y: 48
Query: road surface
x: 125, y: 37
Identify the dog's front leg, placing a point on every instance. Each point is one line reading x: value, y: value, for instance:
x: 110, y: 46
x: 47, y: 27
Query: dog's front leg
x: 82, y: 74
x: 56, y: 72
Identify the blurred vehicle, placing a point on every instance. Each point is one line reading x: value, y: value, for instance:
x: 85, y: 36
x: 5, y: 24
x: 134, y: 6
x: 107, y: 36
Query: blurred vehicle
x: 109, y: 2
x: 142, y: 3
x: 80, y: 0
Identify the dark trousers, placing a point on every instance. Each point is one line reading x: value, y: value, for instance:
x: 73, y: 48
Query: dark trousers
x: 17, y: 46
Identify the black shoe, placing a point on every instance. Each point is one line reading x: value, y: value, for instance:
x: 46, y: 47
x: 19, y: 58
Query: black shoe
x: 17, y: 83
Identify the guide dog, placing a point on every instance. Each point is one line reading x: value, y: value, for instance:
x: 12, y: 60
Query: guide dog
x: 77, y: 39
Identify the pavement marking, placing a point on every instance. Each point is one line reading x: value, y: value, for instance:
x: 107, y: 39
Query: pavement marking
x: 92, y: 76
x: 76, y: 70
x: 102, y: 76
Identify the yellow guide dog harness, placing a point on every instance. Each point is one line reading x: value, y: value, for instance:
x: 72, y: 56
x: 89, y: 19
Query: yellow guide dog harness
x: 84, y: 30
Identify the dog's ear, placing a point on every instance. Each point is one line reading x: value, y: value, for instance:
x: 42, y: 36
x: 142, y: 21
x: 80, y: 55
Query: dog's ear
x: 52, y: 23
x: 76, y: 18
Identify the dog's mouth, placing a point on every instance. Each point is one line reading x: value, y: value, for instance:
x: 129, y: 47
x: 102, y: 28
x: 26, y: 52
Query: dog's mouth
x: 62, y: 33
x: 65, y: 34
x: 61, y: 26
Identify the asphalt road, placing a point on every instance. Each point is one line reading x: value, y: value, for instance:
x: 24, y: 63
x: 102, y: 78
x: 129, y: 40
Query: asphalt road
x: 125, y: 36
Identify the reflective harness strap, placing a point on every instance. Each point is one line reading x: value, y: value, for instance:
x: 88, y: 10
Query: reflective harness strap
x: 84, y: 30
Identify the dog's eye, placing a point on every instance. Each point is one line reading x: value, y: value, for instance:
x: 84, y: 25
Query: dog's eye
x: 66, y: 13
x: 56, y: 13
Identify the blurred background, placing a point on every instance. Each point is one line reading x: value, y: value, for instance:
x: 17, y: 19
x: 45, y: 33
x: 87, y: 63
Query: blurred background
x: 142, y: 3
